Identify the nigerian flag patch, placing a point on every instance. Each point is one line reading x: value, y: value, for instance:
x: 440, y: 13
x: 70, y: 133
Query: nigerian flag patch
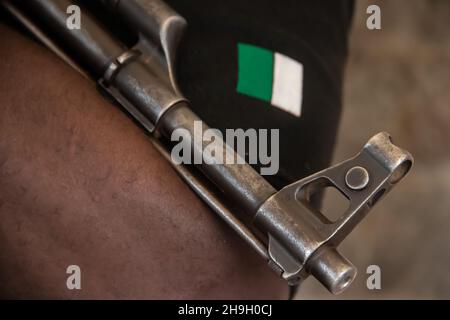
x: 270, y: 76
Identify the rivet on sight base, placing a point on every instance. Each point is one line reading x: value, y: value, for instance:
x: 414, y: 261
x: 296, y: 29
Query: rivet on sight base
x: 357, y: 178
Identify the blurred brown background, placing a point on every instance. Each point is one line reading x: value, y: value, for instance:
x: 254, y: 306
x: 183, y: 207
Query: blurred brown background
x: 398, y: 80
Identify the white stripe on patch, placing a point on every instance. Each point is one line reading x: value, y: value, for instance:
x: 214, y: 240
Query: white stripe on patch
x: 287, y: 92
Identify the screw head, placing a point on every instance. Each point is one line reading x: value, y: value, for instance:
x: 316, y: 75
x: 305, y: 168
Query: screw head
x: 357, y: 178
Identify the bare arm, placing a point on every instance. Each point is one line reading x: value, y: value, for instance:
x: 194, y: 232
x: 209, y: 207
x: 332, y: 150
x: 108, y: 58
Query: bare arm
x: 81, y: 184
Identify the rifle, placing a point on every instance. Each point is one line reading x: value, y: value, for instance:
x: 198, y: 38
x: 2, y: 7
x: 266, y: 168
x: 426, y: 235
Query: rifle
x: 294, y: 238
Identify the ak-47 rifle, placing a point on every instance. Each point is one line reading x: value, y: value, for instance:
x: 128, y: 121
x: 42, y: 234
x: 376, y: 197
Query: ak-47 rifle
x: 285, y: 230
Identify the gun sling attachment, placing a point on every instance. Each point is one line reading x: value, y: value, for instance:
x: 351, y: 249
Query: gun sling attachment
x: 285, y: 230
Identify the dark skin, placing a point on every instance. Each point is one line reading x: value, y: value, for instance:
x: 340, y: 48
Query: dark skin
x: 81, y: 184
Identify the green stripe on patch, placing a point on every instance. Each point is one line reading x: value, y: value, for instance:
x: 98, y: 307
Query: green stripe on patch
x: 255, y: 77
